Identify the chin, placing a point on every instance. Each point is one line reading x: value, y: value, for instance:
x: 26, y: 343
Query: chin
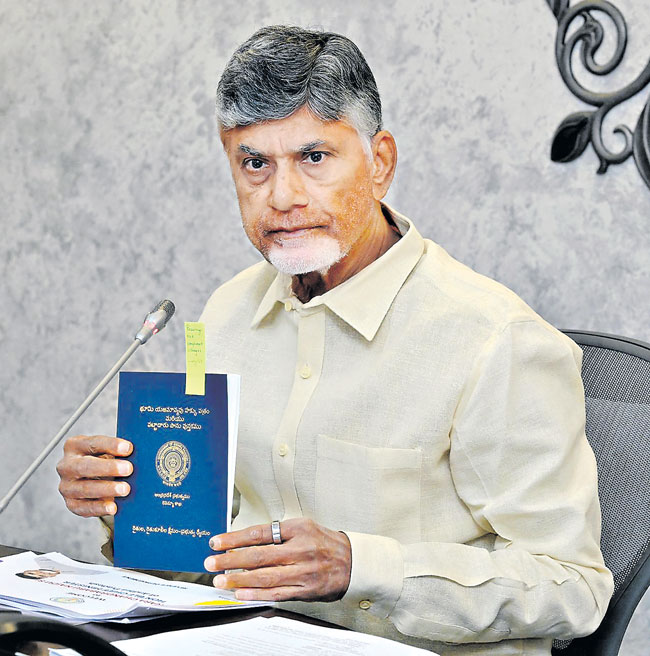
x: 318, y: 255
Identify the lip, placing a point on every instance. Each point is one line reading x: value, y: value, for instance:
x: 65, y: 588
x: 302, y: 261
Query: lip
x: 293, y: 233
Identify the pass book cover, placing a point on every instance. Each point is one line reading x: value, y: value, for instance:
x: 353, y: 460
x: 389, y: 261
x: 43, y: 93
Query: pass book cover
x: 181, y: 484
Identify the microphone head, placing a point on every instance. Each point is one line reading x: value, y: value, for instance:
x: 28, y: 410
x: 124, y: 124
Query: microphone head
x: 167, y: 306
x: 156, y: 320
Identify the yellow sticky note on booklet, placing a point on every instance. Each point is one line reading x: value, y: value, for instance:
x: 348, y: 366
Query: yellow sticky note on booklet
x: 195, y: 358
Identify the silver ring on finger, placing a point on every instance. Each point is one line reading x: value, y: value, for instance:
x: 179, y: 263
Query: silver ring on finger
x: 275, y: 532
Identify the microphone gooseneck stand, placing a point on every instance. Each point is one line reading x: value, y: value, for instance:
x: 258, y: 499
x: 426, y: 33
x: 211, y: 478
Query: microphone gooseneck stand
x: 154, y: 322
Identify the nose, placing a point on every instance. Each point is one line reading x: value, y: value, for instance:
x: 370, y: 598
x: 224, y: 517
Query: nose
x: 287, y: 189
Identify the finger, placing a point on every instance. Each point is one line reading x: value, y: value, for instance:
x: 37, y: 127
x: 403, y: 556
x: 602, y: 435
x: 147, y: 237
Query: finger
x: 282, y: 593
x: 249, y: 558
x: 262, y: 534
x: 93, y: 467
x: 91, y: 489
x: 247, y: 537
x: 267, y: 577
x: 96, y: 445
x: 94, y: 508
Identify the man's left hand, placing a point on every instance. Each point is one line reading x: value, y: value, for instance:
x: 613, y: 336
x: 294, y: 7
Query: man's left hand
x: 313, y: 563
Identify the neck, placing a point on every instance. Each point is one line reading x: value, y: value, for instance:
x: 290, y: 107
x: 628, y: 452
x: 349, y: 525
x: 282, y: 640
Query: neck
x: 377, y: 239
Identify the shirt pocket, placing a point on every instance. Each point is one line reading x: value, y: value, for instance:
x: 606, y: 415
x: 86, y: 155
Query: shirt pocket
x: 368, y: 489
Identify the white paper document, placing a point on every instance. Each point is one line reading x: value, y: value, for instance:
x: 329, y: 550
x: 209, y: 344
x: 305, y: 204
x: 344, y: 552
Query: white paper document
x: 55, y: 584
x: 275, y: 636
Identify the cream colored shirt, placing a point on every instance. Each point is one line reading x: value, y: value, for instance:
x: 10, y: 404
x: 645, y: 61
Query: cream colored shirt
x: 430, y: 414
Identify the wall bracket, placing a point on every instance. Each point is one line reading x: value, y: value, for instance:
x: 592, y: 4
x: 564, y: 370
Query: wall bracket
x: 581, y: 128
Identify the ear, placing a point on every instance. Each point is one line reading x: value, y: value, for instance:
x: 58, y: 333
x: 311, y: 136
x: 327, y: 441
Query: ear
x: 384, y: 161
x: 224, y: 137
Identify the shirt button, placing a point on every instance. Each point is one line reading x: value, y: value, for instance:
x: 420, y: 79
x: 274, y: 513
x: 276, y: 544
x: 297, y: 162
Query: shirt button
x: 305, y: 371
x: 283, y: 449
x: 288, y: 306
x: 365, y: 604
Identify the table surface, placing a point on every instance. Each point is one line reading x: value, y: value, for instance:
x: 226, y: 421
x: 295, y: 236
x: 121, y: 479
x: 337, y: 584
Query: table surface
x: 111, y: 631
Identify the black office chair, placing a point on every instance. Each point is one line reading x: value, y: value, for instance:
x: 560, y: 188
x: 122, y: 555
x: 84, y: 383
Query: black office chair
x: 17, y: 629
x: 616, y: 376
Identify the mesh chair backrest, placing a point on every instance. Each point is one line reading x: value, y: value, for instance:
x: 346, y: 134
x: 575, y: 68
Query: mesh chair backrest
x: 617, y: 390
x: 616, y: 377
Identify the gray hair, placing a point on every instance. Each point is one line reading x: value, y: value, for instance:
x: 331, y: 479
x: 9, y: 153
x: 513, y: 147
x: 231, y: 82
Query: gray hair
x: 282, y: 68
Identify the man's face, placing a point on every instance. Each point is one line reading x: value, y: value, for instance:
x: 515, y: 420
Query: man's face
x: 40, y: 573
x: 304, y: 188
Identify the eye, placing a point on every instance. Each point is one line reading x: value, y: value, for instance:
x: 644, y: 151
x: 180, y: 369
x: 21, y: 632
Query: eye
x: 315, y: 157
x: 254, y: 164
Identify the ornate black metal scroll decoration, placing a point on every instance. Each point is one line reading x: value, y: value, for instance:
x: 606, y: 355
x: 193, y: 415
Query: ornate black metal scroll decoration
x: 578, y: 129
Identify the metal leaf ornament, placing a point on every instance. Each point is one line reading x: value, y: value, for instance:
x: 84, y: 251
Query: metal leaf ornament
x: 571, y: 137
x: 642, y: 144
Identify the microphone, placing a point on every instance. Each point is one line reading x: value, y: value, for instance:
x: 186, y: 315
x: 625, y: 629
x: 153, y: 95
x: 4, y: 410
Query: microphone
x: 154, y: 322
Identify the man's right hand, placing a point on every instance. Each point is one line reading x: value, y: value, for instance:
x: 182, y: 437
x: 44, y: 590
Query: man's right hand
x: 87, y: 470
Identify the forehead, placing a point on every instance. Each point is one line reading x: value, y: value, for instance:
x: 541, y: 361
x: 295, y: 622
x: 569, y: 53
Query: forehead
x: 299, y: 132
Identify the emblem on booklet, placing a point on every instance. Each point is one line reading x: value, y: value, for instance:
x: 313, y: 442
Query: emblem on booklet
x: 173, y: 463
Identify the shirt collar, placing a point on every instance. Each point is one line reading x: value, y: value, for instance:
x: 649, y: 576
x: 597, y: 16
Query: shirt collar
x: 363, y: 300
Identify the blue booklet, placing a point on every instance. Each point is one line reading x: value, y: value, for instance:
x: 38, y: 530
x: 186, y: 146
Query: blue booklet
x: 183, y: 469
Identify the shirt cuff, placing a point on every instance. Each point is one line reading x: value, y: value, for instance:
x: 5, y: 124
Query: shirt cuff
x: 377, y: 573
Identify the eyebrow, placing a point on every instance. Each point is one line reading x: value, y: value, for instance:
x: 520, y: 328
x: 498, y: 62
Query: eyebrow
x: 250, y: 151
x: 312, y: 145
x: 305, y: 148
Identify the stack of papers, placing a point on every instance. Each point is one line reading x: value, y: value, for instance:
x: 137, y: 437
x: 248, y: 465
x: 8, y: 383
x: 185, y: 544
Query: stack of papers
x: 275, y: 636
x: 57, y: 585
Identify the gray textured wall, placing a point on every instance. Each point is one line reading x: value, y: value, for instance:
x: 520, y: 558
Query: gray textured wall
x: 115, y: 192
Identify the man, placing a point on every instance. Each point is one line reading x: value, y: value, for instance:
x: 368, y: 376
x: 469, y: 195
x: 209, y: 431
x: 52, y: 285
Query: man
x: 38, y: 573
x: 418, y: 430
